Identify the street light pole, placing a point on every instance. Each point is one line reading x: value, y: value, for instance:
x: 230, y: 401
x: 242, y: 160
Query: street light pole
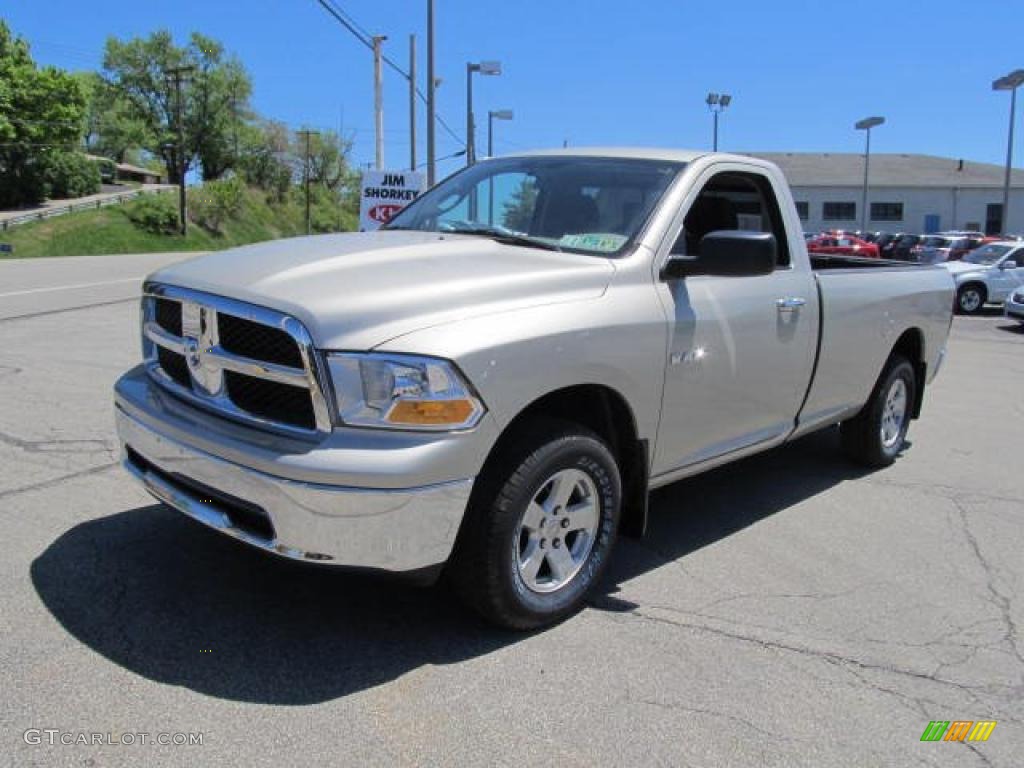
x: 378, y: 99
x: 470, y: 143
x: 1009, y: 83
x: 431, y: 86
x: 866, y: 125
x: 484, y: 68
x: 492, y: 115
x: 717, y: 104
x: 412, y: 102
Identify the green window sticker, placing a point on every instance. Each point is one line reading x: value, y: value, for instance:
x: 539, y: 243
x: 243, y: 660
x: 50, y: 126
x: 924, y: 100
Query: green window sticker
x: 605, y: 242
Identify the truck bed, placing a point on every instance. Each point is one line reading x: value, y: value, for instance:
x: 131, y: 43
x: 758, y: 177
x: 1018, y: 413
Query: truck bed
x: 823, y: 261
x: 860, y: 322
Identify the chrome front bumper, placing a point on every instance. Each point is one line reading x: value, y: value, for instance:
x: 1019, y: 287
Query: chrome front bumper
x: 391, y: 528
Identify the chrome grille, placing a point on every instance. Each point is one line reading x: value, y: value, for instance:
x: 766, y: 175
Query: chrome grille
x: 245, y: 362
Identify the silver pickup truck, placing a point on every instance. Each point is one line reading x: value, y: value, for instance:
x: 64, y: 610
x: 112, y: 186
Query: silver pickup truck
x: 490, y: 386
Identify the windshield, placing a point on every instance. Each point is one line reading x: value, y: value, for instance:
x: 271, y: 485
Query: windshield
x: 935, y: 242
x: 987, y: 254
x: 592, y: 205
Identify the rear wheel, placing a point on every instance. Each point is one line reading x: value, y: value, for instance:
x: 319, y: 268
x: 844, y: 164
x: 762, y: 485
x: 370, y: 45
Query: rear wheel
x: 970, y: 298
x: 876, y: 435
x: 540, y: 528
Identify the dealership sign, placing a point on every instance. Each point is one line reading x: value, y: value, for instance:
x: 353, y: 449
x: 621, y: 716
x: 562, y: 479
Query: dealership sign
x: 384, y: 194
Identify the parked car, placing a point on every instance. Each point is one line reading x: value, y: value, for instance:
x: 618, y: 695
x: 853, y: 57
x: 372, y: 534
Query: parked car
x: 1014, y: 308
x: 886, y: 242
x: 901, y: 251
x: 987, y: 275
x: 844, y: 245
x: 497, y: 396
x: 935, y: 249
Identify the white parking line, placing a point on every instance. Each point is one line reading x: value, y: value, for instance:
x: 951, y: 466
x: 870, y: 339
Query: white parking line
x: 70, y: 287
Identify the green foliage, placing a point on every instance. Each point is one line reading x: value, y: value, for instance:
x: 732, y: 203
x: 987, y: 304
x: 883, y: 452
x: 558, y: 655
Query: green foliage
x: 518, y: 212
x: 111, y: 229
x: 214, y: 101
x: 107, y: 168
x: 263, y: 158
x: 112, y: 127
x: 214, y: 202
x: 71, y: 174
x: 42, y: 111
x: 155, y: 213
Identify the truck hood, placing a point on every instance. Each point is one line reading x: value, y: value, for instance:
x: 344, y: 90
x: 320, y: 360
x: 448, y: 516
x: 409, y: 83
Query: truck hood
x: 356, y: 291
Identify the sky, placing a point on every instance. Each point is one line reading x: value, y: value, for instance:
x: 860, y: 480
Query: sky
x: 603, y: 72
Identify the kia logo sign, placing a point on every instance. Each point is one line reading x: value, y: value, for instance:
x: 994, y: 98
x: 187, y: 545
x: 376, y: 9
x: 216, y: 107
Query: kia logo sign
x: 383, y: 213
x: 384, y: 193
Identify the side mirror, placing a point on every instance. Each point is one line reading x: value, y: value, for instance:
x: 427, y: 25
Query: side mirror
x: 1008, y: 265
x: 726, y: 253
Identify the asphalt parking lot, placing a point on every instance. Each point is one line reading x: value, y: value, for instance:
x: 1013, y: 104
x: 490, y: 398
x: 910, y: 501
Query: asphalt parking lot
x: 787, y: 610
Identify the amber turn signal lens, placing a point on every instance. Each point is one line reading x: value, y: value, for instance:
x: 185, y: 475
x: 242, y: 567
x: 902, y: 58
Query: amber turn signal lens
x: 431, y: 412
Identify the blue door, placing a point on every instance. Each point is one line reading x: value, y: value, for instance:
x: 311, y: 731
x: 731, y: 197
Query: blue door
x: 932, y: 221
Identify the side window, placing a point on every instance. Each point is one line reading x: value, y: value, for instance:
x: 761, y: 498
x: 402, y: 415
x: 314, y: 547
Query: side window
x: 734, y: 201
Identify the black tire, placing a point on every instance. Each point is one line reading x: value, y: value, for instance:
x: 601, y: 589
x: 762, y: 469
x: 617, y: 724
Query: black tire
x: 971, y: 298
x: 862, y: 436
x: 485, y: 568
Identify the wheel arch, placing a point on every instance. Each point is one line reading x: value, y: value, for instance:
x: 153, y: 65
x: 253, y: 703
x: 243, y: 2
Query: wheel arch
x: 606, y: 412
x: 911, y: 346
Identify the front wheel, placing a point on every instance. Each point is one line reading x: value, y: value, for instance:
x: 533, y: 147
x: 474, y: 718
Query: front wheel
x: 970, y: 298
x: 876, y: 435
x: 540, y: 528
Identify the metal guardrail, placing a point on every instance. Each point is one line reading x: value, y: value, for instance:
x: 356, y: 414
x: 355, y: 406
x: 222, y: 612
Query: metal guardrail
x: 92, y: 205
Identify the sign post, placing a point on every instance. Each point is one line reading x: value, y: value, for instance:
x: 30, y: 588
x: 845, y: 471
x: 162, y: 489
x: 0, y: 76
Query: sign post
x: 385, y: 193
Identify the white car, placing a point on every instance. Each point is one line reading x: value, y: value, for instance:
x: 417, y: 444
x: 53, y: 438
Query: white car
x: 1015, y: 305
x: 987, y: 275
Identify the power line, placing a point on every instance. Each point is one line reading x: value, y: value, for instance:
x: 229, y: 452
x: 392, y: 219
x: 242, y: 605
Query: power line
x: 366, y: 39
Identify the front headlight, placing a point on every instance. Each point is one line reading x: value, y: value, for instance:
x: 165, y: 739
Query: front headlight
x: 401, y: 392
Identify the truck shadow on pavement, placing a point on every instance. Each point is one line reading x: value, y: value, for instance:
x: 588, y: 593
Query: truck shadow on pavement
x: 179, y: 604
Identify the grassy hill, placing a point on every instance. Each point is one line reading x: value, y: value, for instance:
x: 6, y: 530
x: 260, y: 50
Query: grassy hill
x: 110, y: 230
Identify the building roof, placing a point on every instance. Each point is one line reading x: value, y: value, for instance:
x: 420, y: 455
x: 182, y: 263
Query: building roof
x: 846, y: 169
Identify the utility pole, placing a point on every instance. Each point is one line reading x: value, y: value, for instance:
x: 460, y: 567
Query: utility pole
x: 177, y: 76
x: 412, y: 102
x: 431, y: 86
x: 305, y: 175
x: 378, y: 98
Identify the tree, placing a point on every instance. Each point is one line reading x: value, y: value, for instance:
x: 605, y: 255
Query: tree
x: 328, y: 159
x: 264, y: 158
x: 113, y: 129
x: 518, y: 211
x: 42, y: 113
x: 214, y: 100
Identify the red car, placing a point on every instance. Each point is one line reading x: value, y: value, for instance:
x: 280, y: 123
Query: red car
x: 843, y: 245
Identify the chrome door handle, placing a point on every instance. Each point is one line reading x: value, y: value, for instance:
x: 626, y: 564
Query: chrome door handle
x: 790, y: 303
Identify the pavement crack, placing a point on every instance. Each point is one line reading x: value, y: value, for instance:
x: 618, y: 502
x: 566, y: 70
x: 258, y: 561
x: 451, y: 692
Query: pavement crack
x: 58, y: 480
x: 1000, y: 601
x: 73, y: 445
x: 828, y: 656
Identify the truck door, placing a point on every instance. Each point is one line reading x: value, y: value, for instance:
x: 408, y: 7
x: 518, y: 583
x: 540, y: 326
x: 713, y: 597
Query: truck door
x: 741, y: 348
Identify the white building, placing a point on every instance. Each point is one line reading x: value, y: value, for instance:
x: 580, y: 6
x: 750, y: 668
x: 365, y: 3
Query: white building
x: 906, y: 193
